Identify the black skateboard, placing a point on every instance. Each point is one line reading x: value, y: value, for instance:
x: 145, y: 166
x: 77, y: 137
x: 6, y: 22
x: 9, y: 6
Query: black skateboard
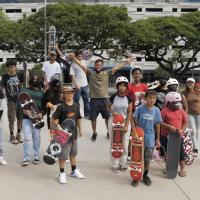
x: 27, y: 104
x: 60, y: 138
x: 173, y: 153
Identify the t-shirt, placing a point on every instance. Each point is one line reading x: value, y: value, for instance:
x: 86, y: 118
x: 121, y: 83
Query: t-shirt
x: 79, y: 74
x: 136, y: 92
x: 120, y: 104
x: 160, y: 101
x: 147, y: 119
x: 12, y: 86
x: 99, y: 83
x: 173, y: 117
x: 65, y: 111
x: 50, y: 69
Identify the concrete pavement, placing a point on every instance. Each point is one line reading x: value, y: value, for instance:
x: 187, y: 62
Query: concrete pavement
x: 40, y: 182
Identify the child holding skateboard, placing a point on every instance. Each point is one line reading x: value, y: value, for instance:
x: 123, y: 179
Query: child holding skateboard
x: 30, y: 133
x: 68, y: 109
x: 121, y: 104
x: 148, y: 117
x: 176, y: 118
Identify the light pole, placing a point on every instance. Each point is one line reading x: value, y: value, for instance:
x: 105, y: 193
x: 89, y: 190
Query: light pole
x: 45, y: 30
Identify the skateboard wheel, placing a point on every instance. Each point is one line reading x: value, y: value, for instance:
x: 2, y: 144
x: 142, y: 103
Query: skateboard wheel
x: 112, y: 150
x: 130, y: 138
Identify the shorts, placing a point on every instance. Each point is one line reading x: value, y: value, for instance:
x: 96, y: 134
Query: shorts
x: 164, y: 140
x: 69, y: 149
x: 148, y: 153
x: 99, y: 105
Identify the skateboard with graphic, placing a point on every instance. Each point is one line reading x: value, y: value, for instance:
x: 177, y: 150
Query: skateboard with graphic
x: 137, y: 154
x: 117, y: 139
x: 59, y: 138
x: 27, y: 104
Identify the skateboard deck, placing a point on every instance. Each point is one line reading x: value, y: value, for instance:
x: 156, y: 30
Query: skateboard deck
x: 137, y: 154
x: 60, y: 138
x: 173, y: 153
x: 27, y: 103
x: 117, y: 139
x: 188, y: 147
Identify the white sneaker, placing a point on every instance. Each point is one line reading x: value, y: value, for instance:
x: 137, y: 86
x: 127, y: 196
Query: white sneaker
x: 77, y: 174
x: 2, y: 161
x: 62, y: 178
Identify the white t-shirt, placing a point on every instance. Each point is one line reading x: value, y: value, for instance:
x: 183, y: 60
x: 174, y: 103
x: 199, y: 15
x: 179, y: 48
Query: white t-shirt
x: 51, y: 69
x: 79, y: 74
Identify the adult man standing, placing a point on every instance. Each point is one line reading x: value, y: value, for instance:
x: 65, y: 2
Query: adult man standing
x: 50, y: 68
x: 98, y: 84
x: 80, y: 83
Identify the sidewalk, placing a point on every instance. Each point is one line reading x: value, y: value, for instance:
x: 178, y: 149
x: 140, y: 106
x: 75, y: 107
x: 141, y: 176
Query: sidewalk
x: 40, y: 182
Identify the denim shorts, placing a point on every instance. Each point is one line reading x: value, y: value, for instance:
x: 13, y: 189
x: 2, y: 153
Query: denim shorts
x: 99, y: 105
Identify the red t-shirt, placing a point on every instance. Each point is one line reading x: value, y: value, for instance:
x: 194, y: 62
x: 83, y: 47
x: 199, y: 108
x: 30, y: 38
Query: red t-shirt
x: 136, y: 93
x: 173, y: 117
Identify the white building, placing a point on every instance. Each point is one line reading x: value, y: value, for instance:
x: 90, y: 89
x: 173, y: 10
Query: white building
x: 137, y: 10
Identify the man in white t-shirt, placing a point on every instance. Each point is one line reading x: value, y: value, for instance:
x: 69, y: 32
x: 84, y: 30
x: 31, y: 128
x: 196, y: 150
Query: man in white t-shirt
x: 80, y: 83
x: 50, y: 68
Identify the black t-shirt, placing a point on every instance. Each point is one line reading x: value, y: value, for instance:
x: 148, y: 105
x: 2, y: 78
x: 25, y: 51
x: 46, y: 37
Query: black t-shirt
x: 12, y: 86
x: 65, y: 111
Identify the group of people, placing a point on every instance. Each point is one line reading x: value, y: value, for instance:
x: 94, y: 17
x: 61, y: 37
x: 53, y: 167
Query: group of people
x: 158, y: 111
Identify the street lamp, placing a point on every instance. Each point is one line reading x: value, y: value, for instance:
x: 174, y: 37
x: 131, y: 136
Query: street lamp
x: 45, y: 30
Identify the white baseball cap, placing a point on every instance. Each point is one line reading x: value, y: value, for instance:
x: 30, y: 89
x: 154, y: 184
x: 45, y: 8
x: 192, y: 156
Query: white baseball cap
x: 191, y: 80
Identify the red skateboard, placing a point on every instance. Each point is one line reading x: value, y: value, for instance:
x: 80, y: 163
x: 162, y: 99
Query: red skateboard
x: 117, y: 139
x: 137, y: 154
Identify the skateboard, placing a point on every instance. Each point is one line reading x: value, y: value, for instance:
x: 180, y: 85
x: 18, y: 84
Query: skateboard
x: 188, y: 147
x: 117, y: 139
x: 173, y: 153
x: 137, y: 154
x: 27, y: 104
x: 60, y: 138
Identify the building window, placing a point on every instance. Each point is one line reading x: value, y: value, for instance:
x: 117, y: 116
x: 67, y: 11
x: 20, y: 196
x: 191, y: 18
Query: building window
x: 174, y: 9
x: 189, y: 9
x: 33, y: 10
x: 13, y: 10
x: 139, y: 9
x: 9, y: 59
x: 1, y: 59
x: 139, y: 59
x: 154, y: 9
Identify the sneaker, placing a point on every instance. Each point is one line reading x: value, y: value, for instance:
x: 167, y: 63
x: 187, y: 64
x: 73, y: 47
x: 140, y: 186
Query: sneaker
x: 25, y: 162
x: 195, y: 152
x: 13, y: 139
x: 115, y: 169
x: 147, y: 181
x: 123, y: 168
x: 19, y: 138
x: 94, y: 137
x: 36, y: 161
x: 134, y: 183
x: 2, y: 161
x: 77, y: 174
x: 108, y: 136
x: 62, y: 178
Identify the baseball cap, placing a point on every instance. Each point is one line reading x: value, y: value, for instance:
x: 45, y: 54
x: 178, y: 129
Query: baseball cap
x: 53, y: 53
x: 190, y: 79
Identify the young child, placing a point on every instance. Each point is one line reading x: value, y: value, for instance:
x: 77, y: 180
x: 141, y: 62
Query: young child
x: 121, y: 104
x: 12, y: 86
x: 30, y: 133
x: 2, y: 160
x: 148, y: 117
x: 176, y: 118
x: 68, y: 109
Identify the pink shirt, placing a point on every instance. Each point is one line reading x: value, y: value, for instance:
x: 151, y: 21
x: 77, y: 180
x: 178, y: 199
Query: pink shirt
x: 175, y: 118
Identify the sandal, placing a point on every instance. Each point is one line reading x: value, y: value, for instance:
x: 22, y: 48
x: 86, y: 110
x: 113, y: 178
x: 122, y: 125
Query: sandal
x: 182, y: 173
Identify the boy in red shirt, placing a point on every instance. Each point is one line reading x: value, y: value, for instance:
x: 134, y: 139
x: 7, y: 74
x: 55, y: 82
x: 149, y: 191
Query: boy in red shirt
x: 176, y: 119
x: 136, y: 90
